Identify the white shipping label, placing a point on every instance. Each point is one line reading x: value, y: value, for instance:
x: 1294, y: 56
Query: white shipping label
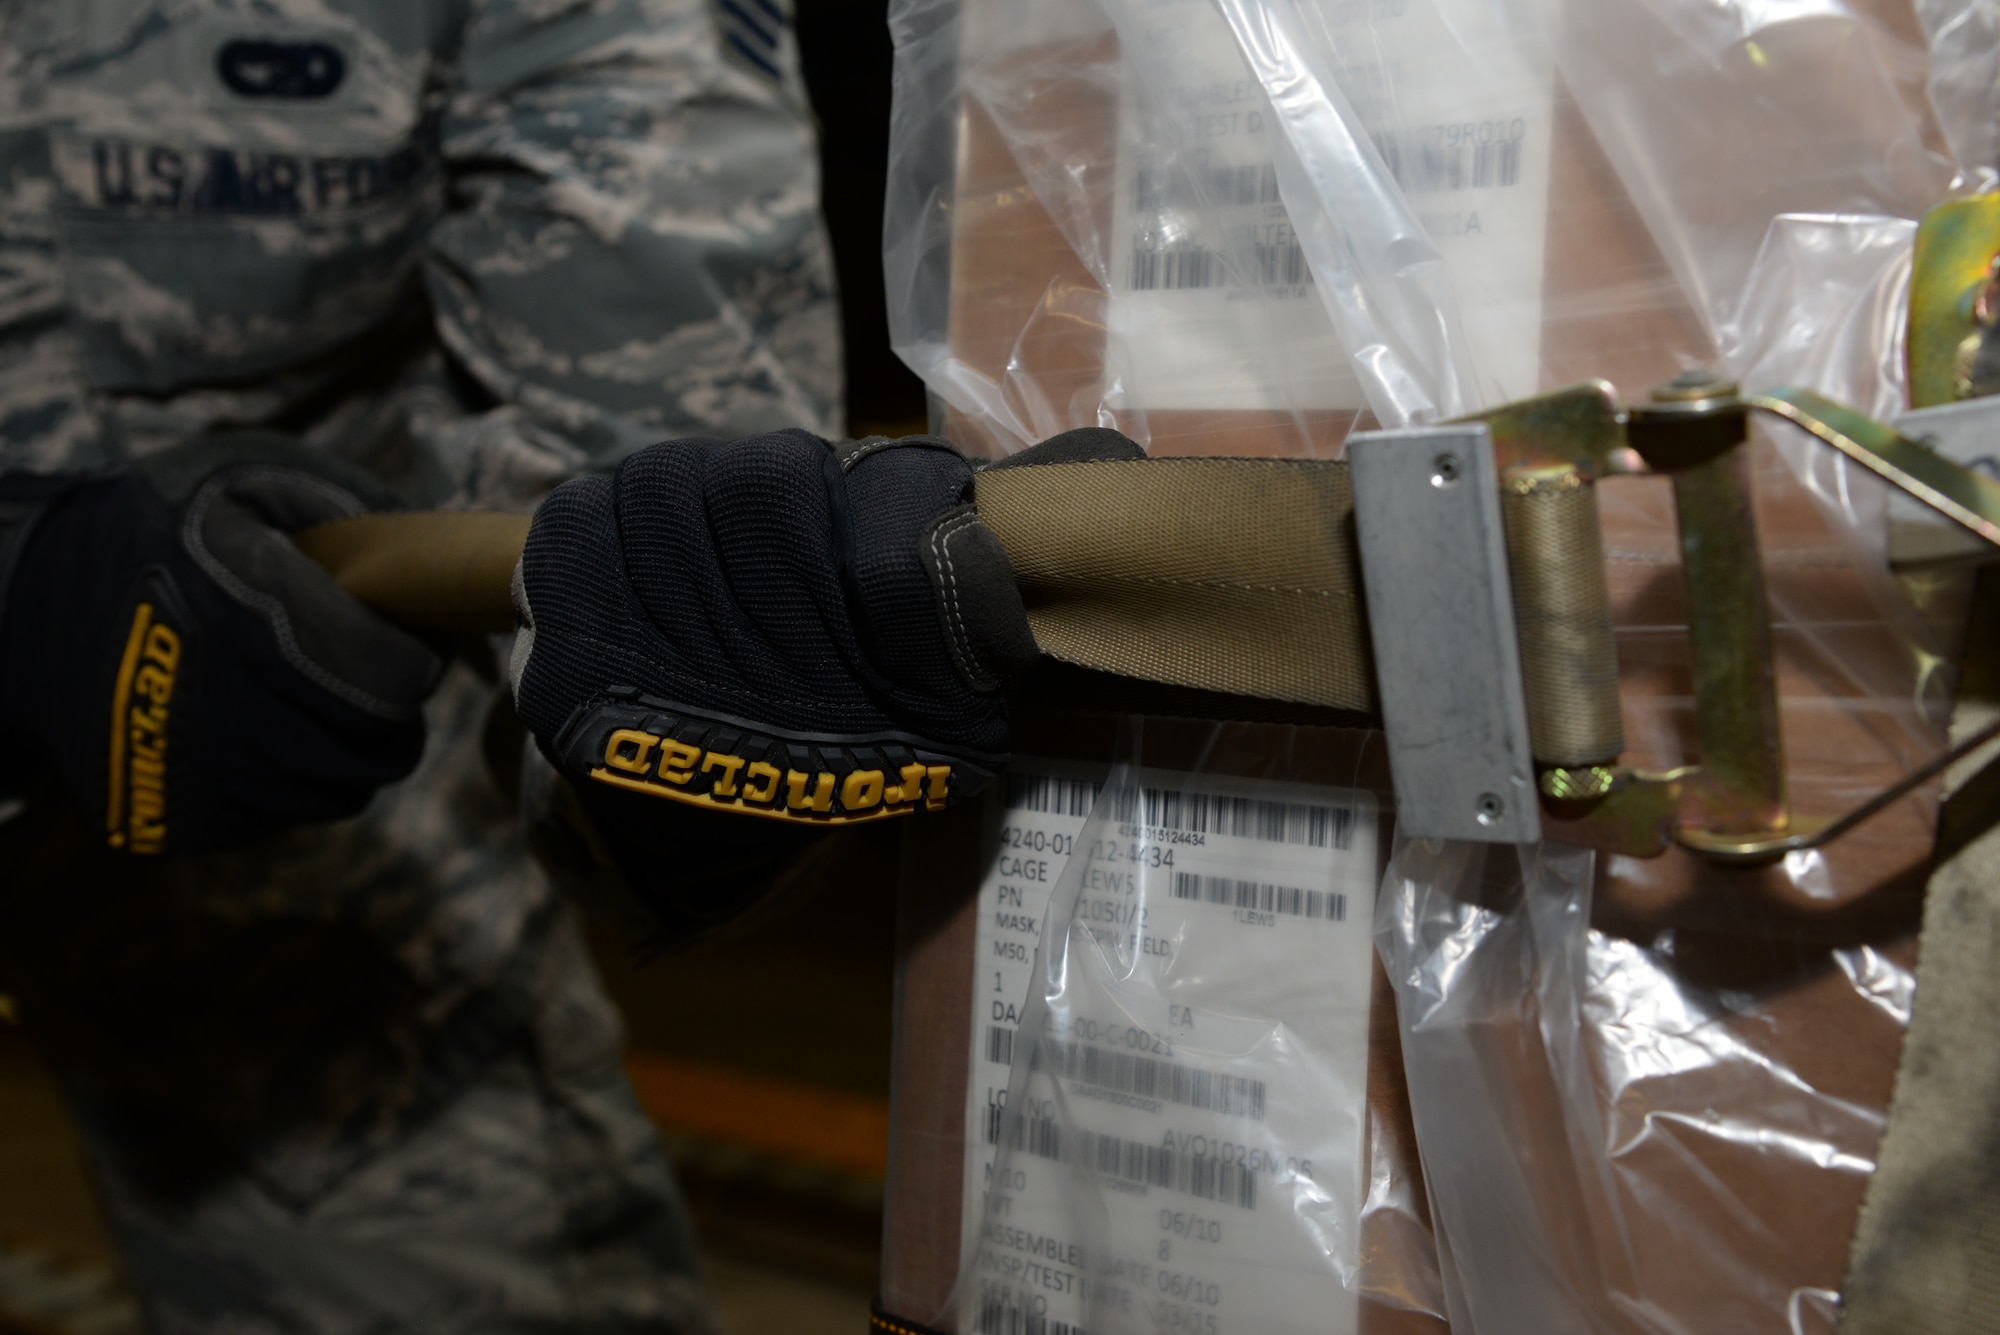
x: 1188, y: 1154
x: 1213, y: 305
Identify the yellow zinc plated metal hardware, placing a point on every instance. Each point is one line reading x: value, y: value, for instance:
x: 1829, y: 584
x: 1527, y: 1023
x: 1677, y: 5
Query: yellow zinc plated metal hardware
x: 1952, y: 267
x: 1731, y: 807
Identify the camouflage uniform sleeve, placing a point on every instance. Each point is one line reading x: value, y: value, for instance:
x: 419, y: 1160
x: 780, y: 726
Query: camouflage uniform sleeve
x: 632, y: 247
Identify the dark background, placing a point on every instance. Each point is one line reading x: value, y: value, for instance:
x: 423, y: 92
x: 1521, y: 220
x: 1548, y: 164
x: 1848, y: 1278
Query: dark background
x: 845, y: 49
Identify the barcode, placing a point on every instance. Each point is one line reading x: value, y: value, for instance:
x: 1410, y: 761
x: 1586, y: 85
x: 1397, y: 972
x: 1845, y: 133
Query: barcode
x: 1001, y: 1314
x: 1061, y: 797
x: 1263, y: 896
x: 1155, y: 192
x: 1442, y: 166
x: 1130, y: 1073
x: 1244, y: 817
x: 1200, y: 1175
x: 1192, y: 265
x: 1177, y: 269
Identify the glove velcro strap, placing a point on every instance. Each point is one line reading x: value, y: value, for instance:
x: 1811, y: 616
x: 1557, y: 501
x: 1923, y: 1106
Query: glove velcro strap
x: 703, y: 759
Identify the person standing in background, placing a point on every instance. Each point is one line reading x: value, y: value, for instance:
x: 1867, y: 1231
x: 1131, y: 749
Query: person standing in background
x: 355, y: 254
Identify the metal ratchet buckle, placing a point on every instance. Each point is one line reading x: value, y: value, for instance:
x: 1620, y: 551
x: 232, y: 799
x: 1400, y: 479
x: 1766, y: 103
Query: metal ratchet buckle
x: 1490, y: 619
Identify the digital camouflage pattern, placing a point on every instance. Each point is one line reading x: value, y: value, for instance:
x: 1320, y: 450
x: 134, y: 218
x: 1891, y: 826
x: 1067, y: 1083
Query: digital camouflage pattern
x: 363, y: 1078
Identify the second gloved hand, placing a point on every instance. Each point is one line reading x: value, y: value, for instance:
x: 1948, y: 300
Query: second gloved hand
x: 774, y: 627
x: 190, y: 678
x: 731, y: 647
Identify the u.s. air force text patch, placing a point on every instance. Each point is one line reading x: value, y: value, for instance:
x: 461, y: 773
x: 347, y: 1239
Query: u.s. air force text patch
x: 188, y: 180
x: 641, y: 744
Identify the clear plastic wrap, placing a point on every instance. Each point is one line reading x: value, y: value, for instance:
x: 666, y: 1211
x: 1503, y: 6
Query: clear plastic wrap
x: 1676, y: 1119
x: 1964, y: 83
x: 1136, y: 234
x: 1412, y: 206
x: 1647, y: 1091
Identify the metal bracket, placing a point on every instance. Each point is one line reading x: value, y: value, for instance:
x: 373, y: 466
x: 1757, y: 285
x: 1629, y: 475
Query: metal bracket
x: 1733, y: 806
x: 1441, y: 619
x: 1968, y: 434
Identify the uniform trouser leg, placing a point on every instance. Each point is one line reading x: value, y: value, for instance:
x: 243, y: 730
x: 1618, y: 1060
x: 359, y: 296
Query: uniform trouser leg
x: 534, y: 1197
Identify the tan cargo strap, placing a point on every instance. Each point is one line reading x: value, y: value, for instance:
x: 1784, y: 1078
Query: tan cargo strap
x: 447, y: 570
x: 1926, y: 1249
x: 1231, y: 575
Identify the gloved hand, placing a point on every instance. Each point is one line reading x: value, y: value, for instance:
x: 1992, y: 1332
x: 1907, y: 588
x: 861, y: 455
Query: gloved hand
x: 191, y: 679
x: 730, y: 648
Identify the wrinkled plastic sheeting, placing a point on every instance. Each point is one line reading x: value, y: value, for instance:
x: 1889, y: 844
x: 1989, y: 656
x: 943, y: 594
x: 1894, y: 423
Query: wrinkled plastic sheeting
x: 1376, y: 271
x: 1720, y: 117
x: 1645, y: 1121
x: 1629, y: 1079
x: 1964, y: 84
x: 1861, y: 122
x: 1379, y: 273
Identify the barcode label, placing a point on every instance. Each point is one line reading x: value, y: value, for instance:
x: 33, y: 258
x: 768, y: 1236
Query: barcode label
x: 1200, y: 1175
x: 1130, y: 1073
x: 1191, y: 266
x: 1439, y: 164
x: 1243, y: 817
x: 1262, y: 896
x: 1001, y: 1314
x: 1150, y: 1078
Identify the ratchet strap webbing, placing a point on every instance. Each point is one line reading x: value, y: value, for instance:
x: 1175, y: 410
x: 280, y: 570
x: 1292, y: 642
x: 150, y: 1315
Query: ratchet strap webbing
x: 1926, y: 1249
x: 450, y: 570
x: 1229, y: 575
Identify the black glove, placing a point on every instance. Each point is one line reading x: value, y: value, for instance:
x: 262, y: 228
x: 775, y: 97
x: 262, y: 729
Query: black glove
x: 775, y: 627
x: 190, y: 678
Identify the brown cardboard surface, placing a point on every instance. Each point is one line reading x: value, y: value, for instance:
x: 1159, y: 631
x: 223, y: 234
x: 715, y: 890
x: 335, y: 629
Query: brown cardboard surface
x: 1716, y: 1222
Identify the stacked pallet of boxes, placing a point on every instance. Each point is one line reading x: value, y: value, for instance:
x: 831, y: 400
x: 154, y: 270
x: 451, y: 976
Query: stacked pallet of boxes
x: 1170, y: 1041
